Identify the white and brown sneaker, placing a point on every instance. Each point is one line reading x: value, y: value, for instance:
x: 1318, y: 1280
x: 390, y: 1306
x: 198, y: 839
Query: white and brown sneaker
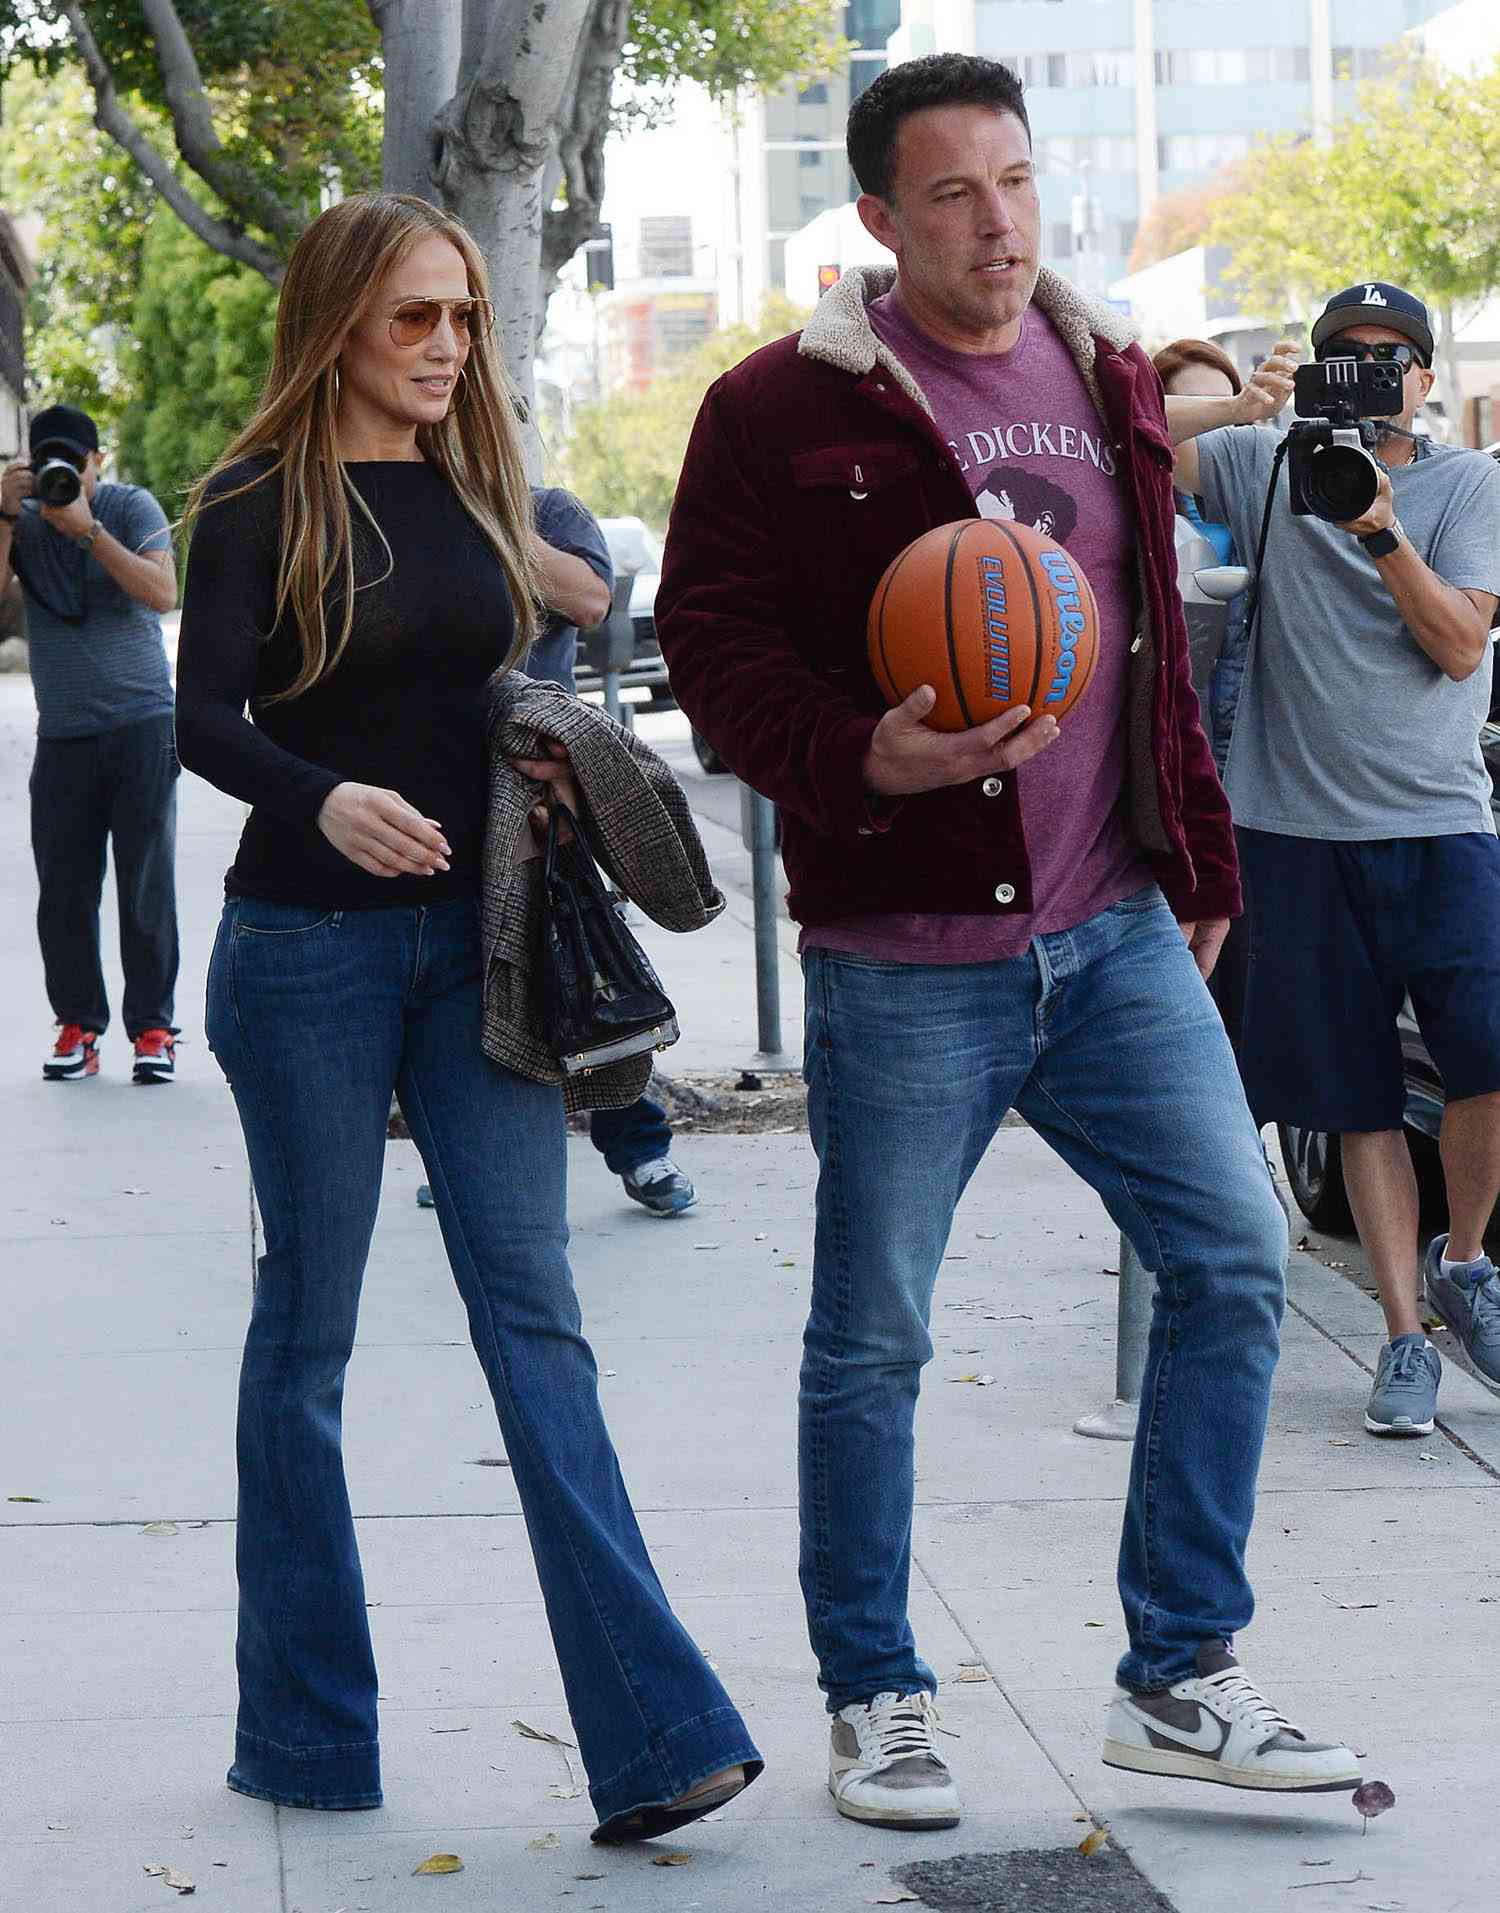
x: 884, y: 1767
x: 1217, y: 1725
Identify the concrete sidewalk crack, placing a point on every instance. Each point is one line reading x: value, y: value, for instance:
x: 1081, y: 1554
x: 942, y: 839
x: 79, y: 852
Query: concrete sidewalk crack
x: 1455, y: 1440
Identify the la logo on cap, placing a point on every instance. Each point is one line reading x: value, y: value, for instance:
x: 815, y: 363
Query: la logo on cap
x: 1375, y: 297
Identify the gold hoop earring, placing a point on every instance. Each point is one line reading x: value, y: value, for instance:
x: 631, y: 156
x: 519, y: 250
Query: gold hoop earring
x: 461, y: 388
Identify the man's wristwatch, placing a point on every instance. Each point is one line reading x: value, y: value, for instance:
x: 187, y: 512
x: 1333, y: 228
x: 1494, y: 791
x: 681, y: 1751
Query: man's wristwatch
x: 90, y: 537
x: 1380, y: 544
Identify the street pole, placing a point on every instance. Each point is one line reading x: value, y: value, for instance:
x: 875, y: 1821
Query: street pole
x: 767, y: 953
x: 1117, y: 1419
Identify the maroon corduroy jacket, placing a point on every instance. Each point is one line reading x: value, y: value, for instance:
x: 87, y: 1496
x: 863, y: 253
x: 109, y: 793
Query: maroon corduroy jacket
x: 811, y: 465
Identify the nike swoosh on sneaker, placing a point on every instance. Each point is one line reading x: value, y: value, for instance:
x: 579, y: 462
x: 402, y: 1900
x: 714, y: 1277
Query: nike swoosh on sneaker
x: 1208, y: 1737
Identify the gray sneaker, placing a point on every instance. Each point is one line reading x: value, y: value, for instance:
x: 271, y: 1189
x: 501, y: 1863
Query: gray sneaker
x: 1470, y: 1306
x: 884, y: 1767
x: 1404, y: 1398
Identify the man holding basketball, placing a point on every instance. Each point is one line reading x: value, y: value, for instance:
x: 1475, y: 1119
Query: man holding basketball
x: 1363, y: 803
x: 1016, y: 915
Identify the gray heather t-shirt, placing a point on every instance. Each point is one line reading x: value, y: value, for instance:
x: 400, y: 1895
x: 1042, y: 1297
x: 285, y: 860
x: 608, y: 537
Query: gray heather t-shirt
x: 1346, y: 729
x: 97, y: 659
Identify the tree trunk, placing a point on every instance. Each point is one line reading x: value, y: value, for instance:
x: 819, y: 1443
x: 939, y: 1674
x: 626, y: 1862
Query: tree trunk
x: 582, y: 128
x: 1452, y: 389
x: 495, y: 137
x: 420, y: 41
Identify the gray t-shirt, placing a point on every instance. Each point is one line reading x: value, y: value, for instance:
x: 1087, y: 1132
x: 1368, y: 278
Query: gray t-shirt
x: 1346, y: 729
x: 97, y: 658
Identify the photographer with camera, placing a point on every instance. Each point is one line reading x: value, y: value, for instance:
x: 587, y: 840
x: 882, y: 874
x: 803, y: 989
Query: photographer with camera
x: 1362, y: 800
x: 95, y: 566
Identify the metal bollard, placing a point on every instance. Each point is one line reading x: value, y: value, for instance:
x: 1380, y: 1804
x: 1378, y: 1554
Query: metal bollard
x: 1116, y: 1420
x: 767, y: 955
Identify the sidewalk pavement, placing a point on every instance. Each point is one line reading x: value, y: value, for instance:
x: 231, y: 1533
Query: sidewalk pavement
x: 125, y: 1217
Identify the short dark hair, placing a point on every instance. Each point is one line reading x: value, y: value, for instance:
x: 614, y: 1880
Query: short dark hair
x: 942, y: 79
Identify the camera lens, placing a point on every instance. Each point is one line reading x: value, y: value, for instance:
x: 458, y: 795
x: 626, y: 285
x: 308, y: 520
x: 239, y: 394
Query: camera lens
x: 57, y: 482
x: 1342, y: 483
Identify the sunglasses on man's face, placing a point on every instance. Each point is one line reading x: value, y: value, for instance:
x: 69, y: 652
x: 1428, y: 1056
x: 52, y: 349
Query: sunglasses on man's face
x: 1387, y: 352
x: 417, y: 319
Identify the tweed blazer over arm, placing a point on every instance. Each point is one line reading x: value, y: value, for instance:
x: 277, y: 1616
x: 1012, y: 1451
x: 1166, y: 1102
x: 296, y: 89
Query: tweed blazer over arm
x: 639, y: 826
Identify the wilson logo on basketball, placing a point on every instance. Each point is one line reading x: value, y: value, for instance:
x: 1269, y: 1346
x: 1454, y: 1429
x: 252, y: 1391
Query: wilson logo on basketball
x: 991, y: 614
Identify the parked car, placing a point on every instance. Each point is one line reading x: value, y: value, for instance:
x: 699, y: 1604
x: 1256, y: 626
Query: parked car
x: 636, y: 553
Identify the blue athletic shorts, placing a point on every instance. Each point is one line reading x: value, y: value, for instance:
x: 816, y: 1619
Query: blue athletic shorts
x: 1340, y: 934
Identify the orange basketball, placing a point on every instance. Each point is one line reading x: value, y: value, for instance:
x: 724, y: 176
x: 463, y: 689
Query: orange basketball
x: 989, y: 613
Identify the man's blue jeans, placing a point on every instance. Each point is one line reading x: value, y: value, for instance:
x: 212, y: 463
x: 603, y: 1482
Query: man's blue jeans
x: 316, y: 1016
x: 1106, y: 1040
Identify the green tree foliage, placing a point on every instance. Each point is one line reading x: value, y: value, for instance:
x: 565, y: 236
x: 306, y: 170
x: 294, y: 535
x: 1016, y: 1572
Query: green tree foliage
x: 202, y: 330
x: 1407, y: 191
x: 94, y: 209
x: 625, y: 452
x: 727, y: 45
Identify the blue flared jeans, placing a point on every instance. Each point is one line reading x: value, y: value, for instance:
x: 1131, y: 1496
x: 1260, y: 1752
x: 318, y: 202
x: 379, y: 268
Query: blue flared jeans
x: 316, y: 1016
x: 1106, y: 1040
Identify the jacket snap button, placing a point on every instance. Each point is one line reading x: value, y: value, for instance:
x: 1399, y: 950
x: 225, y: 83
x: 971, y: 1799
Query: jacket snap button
x: 1005, y: 893
x: 1136, y: 646
x: 992, y: 786
x: 865, y: 831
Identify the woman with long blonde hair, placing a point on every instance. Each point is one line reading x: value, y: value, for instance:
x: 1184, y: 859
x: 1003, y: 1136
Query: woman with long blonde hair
x: 360, y: 567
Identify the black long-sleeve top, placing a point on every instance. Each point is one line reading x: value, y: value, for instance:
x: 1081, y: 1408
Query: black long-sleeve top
x: 403, y: 709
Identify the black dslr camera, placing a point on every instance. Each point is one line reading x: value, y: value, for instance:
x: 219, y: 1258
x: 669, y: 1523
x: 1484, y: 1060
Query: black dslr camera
x: 1329, y: 462
x: 56, y: 481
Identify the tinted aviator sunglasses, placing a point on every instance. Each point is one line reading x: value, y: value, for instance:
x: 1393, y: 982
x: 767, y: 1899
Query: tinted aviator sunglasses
x: 417, y: 319
x: 1387, y: 352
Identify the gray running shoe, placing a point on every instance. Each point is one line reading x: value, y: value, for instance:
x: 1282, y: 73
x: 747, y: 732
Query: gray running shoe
x: 1470, y: 1306
x: 1404, y: 1398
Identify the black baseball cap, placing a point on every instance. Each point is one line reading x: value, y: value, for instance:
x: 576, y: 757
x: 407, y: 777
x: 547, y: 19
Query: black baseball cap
x: 63, y: 428
x: 1376, y: 303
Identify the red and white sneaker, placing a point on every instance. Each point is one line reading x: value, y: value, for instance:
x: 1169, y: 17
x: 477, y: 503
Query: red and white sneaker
x: 75, y: 1054
x: 155, y: 1056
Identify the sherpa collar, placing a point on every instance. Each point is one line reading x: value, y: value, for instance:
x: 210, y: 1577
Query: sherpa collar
x: 839, y: 331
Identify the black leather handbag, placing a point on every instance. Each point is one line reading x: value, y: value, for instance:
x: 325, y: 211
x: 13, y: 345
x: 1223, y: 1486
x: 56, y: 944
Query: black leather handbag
x: 598, y: 996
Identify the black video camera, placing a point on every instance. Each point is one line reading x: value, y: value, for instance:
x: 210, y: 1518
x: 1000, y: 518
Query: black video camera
x: 56, y: 481
x: 1330, y: 467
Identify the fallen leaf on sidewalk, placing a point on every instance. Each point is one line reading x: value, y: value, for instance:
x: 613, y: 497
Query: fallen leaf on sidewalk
x: 1094, y: 1623
x: 759, y: 1238
x: 1094, y: 1842
x: 35, y: 1499
x: 489, y: 1461
x: 960, y: 1257
x: 1317, y: 1863
x: 169, y: 1876
x: 1356, y: 1607
x: 543, y: 1843
x: 440, y: 1863
x: 897, y: 1896
x: 1372, y: 1798
x: 535, y: 1733
x: 160, y: 1527
x: 980, y: 1236
x: 588, y: 1876
x: 677, y: 1857
x: 564, y: 1793
x: 1339, y: 1442
x: 708, y: 1245
x: 972, y: 1673
x: 979, y: 1381
x: 449, y: 1730
x: 135, y: 1192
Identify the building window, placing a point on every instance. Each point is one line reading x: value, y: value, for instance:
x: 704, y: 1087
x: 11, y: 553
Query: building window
x: 1232, y: 66
x: 1361, y: 62
x: 870, y: 23
x: 1200, y: 152
x: 1079, y: 69
x: 814, y: 95
x: 1067, y: 154
x: 809, y: 158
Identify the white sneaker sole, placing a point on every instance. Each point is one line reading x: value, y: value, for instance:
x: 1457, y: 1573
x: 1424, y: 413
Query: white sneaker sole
x: 66, y: 1072
x: 1399, y: 1428
x: 1186, y: 1766
x: 897, y: 1822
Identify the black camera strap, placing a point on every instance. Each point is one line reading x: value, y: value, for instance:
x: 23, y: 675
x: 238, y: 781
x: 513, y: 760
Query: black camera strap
x: 1252, y: 612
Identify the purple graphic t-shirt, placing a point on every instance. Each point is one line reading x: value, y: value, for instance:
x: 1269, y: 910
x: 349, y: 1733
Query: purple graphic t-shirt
x: 1033, y: 449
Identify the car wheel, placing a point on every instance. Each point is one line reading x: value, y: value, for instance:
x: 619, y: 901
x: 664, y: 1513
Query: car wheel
x: 709, y: 759
x: 1315, y: 1172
